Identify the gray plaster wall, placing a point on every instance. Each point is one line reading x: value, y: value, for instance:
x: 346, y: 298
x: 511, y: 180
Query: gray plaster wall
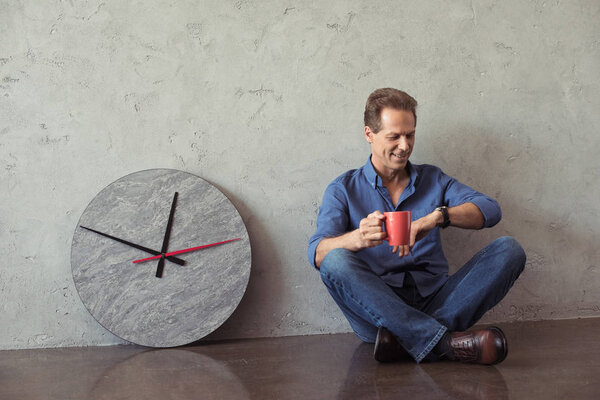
x: 264, y: 99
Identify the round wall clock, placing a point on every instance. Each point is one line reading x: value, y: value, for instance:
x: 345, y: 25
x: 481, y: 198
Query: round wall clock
x: 160, y: 258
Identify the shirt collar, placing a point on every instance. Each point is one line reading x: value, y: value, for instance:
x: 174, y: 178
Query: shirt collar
x: 375, y: 180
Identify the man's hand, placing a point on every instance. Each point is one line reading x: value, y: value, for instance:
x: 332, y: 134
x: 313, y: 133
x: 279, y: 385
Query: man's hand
x: 418, y: 230
x: 370, y: 230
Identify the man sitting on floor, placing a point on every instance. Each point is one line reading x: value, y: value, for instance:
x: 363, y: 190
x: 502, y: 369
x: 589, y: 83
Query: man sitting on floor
x: 401, y: 298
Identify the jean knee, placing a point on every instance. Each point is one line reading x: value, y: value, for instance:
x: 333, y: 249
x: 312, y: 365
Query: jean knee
x: 513, y: 251
x: 335, y: 262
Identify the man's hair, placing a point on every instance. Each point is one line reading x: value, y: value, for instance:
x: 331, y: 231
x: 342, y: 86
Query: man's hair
x: 387, y: 97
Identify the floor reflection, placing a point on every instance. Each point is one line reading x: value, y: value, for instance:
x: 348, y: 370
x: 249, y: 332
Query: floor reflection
x: 464, y: 381
x: 169, y: 374
x: 366, y: 379
x: 338, y: 366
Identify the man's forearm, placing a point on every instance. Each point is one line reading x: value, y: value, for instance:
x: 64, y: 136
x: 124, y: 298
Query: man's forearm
x: 467, y: 216
x: 349, y: 240
x: 368, y: 234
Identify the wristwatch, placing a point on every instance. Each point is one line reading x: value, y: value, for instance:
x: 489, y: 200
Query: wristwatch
x: 444, y: 211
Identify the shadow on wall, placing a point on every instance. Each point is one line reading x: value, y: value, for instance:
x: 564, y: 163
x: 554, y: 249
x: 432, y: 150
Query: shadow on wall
x: 261, y: 290
x: 561, y: 276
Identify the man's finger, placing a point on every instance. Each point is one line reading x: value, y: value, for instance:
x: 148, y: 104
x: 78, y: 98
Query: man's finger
x: 375, y: 235
x: 377, y: 214
x: 404, y: 250
x: 413, y: 237
x: 372, y: 233
x: 373, y: 222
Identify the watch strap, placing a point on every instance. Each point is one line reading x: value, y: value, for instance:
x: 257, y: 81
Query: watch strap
x: 444, y: 211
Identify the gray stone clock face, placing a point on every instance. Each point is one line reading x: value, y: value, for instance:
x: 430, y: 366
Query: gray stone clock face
x: 187, y: 302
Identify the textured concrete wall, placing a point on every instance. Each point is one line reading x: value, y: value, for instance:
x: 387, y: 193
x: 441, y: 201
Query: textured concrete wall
x: 264, y: 99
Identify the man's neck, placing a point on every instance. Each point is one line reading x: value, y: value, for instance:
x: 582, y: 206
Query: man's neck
x: 392, y: 177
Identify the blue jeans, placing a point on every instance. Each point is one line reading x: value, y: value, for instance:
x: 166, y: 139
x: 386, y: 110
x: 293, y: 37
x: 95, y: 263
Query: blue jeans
x: 419, y: 323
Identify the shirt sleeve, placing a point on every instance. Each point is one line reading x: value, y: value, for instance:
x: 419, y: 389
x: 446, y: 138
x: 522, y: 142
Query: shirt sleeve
x: 332, y: 219
x: 457, y: 193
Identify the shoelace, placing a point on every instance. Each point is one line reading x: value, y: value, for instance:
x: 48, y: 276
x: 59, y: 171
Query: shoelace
x: 464, y: 348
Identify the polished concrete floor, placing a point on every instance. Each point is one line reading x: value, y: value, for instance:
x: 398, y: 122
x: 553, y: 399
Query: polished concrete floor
x: 547, y: 360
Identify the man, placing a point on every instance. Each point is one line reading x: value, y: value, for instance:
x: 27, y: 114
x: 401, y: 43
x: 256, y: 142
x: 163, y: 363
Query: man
x: 401, y: 298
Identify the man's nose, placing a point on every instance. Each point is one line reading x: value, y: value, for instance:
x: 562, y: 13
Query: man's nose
x: 403, y: 143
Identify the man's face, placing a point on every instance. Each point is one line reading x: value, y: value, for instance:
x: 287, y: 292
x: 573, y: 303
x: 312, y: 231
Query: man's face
x: 393, y: 144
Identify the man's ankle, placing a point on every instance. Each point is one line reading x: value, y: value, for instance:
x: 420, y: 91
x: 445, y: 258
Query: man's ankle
x: 442, y: 349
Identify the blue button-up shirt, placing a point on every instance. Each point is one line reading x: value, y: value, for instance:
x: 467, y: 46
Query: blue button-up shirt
x: 357, y: 193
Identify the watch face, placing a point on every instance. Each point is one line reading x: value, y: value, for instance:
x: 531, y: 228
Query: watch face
x: 160, y: 258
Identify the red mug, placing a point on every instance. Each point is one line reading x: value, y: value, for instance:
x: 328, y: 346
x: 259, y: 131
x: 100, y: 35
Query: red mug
x: 397, y: 226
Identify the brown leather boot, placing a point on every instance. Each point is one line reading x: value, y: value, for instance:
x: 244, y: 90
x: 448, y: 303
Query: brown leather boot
x: 484, y: 346
x: 387, y: 348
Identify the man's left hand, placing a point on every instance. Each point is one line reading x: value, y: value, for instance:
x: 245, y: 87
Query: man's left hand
x: 418, y: 230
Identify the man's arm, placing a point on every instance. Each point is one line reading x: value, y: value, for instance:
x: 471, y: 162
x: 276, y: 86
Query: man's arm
x: 467, y: 216
x: 458, y: 194
x: 369, y: 234
x: 467, y: 209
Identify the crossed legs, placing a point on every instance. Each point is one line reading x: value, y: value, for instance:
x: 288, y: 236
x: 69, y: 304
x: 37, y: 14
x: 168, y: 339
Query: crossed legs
x: 369, y: 303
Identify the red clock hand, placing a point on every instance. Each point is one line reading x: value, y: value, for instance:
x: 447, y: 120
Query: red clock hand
x: 172, y: 253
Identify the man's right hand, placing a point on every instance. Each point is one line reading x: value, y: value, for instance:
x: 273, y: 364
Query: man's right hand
x: 371, y: 231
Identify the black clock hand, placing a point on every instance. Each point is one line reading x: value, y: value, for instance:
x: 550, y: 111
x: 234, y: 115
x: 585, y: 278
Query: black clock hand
x: 176, y: 260
x: 165, y: 245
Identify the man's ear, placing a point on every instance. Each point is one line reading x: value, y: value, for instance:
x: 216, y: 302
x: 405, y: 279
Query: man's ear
x: 369, y: 134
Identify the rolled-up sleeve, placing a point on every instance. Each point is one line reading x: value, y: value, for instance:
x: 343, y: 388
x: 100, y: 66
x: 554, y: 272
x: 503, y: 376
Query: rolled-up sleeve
x: 332, y: 219
x: 457, y: 193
